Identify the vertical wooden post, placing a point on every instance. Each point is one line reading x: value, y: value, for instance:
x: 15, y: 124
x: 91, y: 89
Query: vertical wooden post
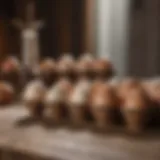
x: 89, y: 25
x: 3, y: 39
x: 152, y: 40
x: 63, y: 23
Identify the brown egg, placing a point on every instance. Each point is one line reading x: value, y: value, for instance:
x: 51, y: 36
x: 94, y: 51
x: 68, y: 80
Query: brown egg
x: 56, y: 100
x: 78, y: 101
x: 11, y: 71
x: 48, y: 72
x: 33, y: 97
x: 11, y: 64
x: 66, y: 67
x: 84, y: 67
x: 103, y: 69
x: 153, y: 90
x: 6, y: 93
x: 125, y: 86
x: 135, y: 109
x: 103, y: 103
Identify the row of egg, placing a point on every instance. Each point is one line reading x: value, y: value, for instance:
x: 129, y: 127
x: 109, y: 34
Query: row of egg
x: 85, y: 66
x: 102, y: 101
x: 50, y: 70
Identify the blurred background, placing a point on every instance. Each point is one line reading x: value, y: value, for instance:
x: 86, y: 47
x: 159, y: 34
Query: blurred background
x: 125, y: 31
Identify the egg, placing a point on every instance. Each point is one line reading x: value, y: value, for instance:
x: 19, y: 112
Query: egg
x: 33, y: 97
x: 6, y: 93
x: 103, y: 103
x: 11, y: 71
x: 103, y: 69
x: 153, y: 90
x: 125, y: 86
x: 56, y: 100
x: 135, y: 110
x: 48, y: 71
x: 10, y: 64
x: 84, y: 66
x: 65, y: 67
x: 152, y: 87
x: 78, y: 101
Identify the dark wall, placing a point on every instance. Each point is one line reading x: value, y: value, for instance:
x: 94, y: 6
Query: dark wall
x: 63, y: 31
x: 47, y: 33
x: 138, y: 39
x: 7, y: 8
x: 78, y: 28
x: 7, y: 12
x: 144, y: 49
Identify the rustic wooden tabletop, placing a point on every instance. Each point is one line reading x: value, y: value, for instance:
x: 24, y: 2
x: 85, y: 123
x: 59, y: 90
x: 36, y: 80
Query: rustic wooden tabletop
x: 23, y: 136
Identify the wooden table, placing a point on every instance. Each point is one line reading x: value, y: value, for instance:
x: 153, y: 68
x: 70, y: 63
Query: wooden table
x: 32, y: 141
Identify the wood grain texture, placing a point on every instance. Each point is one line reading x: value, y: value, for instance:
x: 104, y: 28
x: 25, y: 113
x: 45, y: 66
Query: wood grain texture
x: 63, y: 23
x: 34, y: 141
x: 89, y: 25
x: 3, y: 39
